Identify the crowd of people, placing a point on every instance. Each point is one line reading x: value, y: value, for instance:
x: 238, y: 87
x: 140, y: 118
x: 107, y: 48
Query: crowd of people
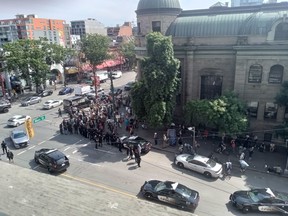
x: 100, y: 123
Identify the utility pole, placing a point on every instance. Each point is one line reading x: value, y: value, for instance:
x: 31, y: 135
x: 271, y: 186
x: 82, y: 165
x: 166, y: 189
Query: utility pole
x: 113, y: 96
x: 193, y: 134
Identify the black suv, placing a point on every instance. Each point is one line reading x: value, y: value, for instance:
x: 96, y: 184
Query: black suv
x: 52, y: 159
x: 4, y: 106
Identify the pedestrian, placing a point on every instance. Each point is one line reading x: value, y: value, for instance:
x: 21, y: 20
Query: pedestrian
x: 96, y: 141
x: 10, y: 156
x: 242, y: 156
x: 137, y: 152
x: 251, y: 151
x: 233, y: 145
x: 243, y: 165
x: 164, y: 140
x: 155, y: 138
x: 227, y: 169
x: 4, y: 147
x: 131, y: 131
x: 59, y: 112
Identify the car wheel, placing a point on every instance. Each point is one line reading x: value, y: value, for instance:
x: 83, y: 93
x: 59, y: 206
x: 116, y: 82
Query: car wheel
x: 180, y: 165
x: 49, y: 170
x: 5, y: 110
x: 246, y: 209
x: 207, y: 175
x: 36, y: 160
x: 17, y: 124
x: 148, y: 195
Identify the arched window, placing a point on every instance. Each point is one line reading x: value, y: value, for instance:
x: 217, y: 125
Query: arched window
x: 211, y: 86
x: 281, y: 32
x: 255, y: 73
x: 276, y: 74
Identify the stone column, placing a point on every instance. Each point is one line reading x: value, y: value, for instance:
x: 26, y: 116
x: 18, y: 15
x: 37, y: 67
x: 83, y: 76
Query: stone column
x: 189, y: 72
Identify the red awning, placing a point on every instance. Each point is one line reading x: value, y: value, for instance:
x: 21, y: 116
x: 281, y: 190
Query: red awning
x: 105, y: 64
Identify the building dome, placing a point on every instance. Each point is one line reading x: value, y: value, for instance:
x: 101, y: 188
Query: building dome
x: 158, y: 4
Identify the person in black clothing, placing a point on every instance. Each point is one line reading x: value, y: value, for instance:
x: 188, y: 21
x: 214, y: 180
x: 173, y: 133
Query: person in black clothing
x: 100, y: 139
x: 120, y: 144
x: 59, y: 112
x: 4, y: 147
x: 61, y: 128
x: 10, y: 156
x: 96, y: 139
x: 137, y: 156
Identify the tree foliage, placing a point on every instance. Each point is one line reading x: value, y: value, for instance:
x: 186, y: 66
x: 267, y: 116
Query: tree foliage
x: 95, y: 48
x: 153, y: 99
x: 282, y: 96
x: 226, y: 113
x: 31, y: 59
x: 127, y: 50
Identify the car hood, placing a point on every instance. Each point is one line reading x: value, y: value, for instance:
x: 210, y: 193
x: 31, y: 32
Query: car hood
x: 242, y: 197
x: 21, y: 140
x: 182, y: 157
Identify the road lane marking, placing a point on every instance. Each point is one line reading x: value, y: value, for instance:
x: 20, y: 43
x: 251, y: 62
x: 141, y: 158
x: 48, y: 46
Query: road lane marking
x: 67, y: 148
x: 21, y: 152
x: 109, y: 152
x: 74, y: 151
x: 31, y: 147
x: 84, y: 145
x: 42, y: 142
x: 95, y: 184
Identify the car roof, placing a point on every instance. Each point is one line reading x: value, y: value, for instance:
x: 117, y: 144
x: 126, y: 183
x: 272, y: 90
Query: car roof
x: 55, y: 154
x: 201, y: 158
x: 18, y: 116
x: 18, y: 131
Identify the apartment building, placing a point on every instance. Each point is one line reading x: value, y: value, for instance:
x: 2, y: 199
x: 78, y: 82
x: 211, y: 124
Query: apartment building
x: 89, y: 26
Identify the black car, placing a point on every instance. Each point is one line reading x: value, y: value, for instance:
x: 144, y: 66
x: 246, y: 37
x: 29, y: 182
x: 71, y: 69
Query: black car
x: 52, y: 159
x: 134, y: 141
x: 4, y: 106
x: 172, y: 193
x: 45, y: 93
x: 128, y: 86
x: 66, y: 90
x: 263, y: 200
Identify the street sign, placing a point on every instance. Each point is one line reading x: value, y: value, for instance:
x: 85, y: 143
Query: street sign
x: 38, y: 119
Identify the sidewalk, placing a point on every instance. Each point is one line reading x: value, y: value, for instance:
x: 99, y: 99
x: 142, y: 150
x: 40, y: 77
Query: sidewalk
x: 257, y: 163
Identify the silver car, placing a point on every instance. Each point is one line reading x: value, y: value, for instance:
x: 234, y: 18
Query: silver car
x: 198, y: 163
x: 17, y: 120
x: 19, y: 138
x: 31, y: 100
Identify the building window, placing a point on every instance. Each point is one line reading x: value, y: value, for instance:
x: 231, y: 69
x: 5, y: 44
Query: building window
x: 138, y: 28
x: 255, y: 74
x: 252, y: 109
x: 276, y: 74
x: 156, y: 26
x: 270, y: 111
x: 211, y: 87
x: 281, y: 31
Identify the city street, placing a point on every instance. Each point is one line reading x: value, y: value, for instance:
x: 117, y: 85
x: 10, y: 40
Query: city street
x: 108, y: 169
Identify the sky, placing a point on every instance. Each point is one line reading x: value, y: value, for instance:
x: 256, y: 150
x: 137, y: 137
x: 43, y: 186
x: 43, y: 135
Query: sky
x: 108, y: 12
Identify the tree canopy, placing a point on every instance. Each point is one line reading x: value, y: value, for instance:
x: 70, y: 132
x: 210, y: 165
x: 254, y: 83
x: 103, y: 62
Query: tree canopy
x: 226, y: 113
x: 128, y: 52
x: 282, y: 96
x: 31, y: 59
x: 95, y: 48
x: 153, y: 97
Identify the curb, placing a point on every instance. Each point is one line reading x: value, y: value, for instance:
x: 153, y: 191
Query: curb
x: 250, y: 169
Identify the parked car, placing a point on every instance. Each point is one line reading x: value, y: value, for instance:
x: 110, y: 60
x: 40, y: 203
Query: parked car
x: 135, y: 140
x: 263, y: 200
x: 19, y: 138
x: 31, y: 100
x: 91, y: 95
x: 17, y: 120
x: 66, y: 90
x: 52, y: 159
x: 45, y: 93
x: 4, y: 106
x: 172, y: 193
x: 128, y: 86
x: 116, y: 74
x: 198, y: 163
x: 116, y: 92
x: 52, y: 104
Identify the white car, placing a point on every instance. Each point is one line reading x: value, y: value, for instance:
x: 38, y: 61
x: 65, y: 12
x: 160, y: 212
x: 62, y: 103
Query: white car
x: 91, y: 95
x: 116, y: 74
x: 198, y: 163
x: 17, y: 120
x: 52, y: 103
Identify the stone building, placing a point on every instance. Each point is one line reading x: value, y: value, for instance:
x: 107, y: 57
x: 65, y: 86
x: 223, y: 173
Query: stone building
x: 241, y: 49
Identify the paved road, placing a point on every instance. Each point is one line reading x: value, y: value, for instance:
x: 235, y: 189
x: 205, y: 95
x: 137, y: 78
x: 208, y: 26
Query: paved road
x: 107, y: 170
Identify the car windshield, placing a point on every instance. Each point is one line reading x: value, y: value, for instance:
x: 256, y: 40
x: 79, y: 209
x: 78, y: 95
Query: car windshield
x: 27, y: 99
x: 211, y: 163
x: 162, y: 185
x: 260, y: 194
x: 56, y: 155
x: 19, y: 135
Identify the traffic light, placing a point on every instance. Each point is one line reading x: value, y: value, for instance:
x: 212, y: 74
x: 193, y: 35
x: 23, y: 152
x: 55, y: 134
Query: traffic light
x: 29, y: 128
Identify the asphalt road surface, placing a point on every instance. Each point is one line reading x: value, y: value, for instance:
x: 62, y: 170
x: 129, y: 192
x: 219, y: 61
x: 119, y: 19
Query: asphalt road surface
x: 103, y: 181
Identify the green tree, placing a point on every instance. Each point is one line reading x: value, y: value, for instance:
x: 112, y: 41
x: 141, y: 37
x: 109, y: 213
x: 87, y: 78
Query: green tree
x: 95, y: 48
x: 282, y: 100
x: 226, y: 113
x: 127, y: 50
x: 153, y: 99
x: 28, y: 58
